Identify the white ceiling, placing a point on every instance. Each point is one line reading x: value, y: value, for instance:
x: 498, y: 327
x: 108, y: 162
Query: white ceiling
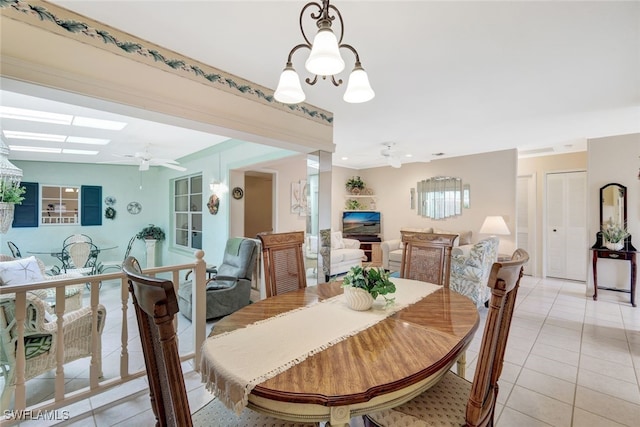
x: 450, y: 77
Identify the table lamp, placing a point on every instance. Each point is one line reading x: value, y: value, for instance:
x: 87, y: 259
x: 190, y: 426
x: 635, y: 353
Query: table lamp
x: 494, y: 225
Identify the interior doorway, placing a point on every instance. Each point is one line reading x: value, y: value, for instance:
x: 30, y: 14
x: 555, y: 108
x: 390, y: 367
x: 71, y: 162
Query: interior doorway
x: 258, y: 202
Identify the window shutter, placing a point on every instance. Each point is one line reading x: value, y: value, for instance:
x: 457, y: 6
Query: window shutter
x: 26, y: 213
x: 91, y: 205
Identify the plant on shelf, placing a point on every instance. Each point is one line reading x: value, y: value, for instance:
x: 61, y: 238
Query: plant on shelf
x: 374, y: 280
x: 353, y: 205
x: 355, y: 184
x: 151, y: 232
x: 613, y: 232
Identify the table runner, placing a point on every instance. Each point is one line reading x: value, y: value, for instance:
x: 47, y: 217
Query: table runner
x: 229, y: 365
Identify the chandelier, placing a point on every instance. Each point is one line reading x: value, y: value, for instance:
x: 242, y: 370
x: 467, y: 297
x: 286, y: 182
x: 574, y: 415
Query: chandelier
x: 324, y: 60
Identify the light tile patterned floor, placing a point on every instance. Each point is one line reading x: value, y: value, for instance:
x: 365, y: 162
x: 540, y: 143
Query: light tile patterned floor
x: 571, y: 361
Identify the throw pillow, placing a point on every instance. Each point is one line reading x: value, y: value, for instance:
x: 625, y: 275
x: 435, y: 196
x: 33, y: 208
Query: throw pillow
x: 336, y: 240
x: 20, y: 271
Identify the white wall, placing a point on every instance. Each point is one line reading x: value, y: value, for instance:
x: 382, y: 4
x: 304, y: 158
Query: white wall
x: 614, y: 159
x: 491, y: 176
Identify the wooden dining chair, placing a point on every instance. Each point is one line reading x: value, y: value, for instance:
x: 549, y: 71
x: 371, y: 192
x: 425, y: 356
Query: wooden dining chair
x: 283, y: 262
x: 426, y: 256
x: 156, y: 305
x: 454, y: 401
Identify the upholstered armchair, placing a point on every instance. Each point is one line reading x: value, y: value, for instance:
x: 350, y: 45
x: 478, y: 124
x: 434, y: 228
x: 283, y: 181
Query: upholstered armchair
x: 40, y: 343
x: 230, y: 290
x: 470, y: 269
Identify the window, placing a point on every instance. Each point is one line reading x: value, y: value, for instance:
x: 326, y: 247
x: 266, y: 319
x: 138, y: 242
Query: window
x: 187, y: 211
x: 59, y: 204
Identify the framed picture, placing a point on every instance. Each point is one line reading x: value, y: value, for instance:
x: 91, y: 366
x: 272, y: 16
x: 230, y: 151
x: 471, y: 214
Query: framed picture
x: 299, y: 201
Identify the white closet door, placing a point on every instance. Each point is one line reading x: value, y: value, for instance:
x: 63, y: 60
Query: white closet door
x: 526, y: 220
x: 566, y: 233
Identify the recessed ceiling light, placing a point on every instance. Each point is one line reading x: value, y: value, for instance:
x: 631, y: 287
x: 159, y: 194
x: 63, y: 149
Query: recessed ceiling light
x: 344, y: 158
x: 98, y: 123
x: 83, y: 140
x: 408, y: 155
x: 35, y: 149
x: 14, y: 134
x: 35, y: 116
x: 84, y: 152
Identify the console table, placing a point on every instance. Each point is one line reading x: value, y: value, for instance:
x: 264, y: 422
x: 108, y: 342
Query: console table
x: 624, y: 255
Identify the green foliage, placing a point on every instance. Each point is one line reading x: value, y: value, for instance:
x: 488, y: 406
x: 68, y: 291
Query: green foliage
x: 151, y: 232
x: 614, y: 233
x: 353, y: 205
x: 354, y: 182
x: 11, y: 193
x: 374, y: 280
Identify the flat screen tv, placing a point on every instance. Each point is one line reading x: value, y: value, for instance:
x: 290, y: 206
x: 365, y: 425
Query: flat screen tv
x: 361, y: 222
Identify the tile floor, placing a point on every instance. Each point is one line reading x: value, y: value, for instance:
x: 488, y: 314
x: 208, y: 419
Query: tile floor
x: 571, y: 361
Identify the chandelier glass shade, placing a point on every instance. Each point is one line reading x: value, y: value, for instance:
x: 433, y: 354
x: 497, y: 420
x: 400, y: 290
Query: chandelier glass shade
x: 324, y: 60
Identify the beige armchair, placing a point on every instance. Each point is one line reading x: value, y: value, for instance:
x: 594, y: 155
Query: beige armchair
x: 40, y: 333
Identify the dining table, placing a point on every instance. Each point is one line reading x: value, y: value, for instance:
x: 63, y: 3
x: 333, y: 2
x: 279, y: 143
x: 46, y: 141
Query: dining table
x: 59, y: 254
x: 305, y: 356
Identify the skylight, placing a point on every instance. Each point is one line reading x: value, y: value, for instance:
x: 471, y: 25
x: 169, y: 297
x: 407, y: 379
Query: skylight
x: 35, y: 149
x: 97, y: 123
x: 83, y: 152
x: 14, y: 134
x: 35, y: 116
x: 91, y: 141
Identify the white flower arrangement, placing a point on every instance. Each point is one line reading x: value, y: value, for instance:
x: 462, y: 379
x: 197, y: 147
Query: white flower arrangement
x: 613, y: 232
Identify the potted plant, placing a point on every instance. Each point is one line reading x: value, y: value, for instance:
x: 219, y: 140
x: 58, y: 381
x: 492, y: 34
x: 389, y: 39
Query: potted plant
x: 10, y: 195
x: 151, y: 232
x: 355, y: 184
x: 614, y: 235
x: 362, y: 287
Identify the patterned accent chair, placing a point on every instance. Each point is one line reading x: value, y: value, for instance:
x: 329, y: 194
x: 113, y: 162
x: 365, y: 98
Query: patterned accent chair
x: 40, y: 338
x: 470, y: 270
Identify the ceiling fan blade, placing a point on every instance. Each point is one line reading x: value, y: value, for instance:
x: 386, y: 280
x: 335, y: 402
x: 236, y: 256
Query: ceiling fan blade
x: 394, y: 161
x: 172, y: 166
x: 158, y: 161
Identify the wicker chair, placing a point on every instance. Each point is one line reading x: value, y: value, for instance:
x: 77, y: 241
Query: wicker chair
x: 455, y: 401
x: 72, y: 293
x: 427, y: 256
x: 40, y: 338
x: 283, y: 262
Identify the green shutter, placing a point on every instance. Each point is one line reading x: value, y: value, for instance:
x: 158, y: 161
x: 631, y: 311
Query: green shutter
x: 26, y: 213
x: 91, y: 205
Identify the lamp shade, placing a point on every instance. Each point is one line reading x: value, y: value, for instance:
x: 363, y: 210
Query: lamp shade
x: 494, y: 225
x: 358, y: 87
x: 325, y: 59
x: 289, y: 90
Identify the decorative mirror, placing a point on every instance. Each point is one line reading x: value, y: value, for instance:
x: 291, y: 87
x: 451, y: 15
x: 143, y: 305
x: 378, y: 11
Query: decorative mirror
x: 613, y: 219
x: 613, y: 204
x: 440, y: 197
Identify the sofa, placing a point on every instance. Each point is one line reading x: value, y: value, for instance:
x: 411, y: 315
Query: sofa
x: 345, y: 253
x: 392, y: 249
x: 470, y: 269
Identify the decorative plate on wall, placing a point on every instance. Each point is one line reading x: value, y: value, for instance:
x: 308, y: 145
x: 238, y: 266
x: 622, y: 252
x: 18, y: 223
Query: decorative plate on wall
x: 109, y: 200
x: 237, y: 193
x: 134, y: 208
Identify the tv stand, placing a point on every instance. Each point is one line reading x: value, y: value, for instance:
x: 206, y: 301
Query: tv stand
x: 370, y: 244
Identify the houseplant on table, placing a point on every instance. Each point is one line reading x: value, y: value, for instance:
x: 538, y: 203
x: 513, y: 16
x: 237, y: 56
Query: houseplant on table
x: 614, y: 234
x: 10, y: 195
x: 362, y: 287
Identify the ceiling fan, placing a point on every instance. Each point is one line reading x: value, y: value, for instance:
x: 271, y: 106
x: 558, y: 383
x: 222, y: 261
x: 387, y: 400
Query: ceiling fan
x: 391, y: 154
x: 145, y: 160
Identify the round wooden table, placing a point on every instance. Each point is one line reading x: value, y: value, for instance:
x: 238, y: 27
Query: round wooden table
x: 380, y: 367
